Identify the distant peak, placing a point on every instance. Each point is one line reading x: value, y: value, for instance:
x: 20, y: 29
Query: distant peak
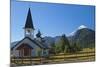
x: 82, y: 26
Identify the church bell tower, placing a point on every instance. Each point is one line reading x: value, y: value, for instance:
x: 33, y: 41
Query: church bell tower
x: 29, y: 28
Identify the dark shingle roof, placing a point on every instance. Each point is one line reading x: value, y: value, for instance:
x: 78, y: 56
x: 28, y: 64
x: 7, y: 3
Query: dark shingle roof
x: 34, y: 41
x: 24, y: 45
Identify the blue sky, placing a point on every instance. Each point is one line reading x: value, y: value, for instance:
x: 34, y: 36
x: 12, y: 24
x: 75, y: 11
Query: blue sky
x: 51, y: 19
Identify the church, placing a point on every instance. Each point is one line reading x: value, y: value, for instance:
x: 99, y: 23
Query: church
x: 30, y: 46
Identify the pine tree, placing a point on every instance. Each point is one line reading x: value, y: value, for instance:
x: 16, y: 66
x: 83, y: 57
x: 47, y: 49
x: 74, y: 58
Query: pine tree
x: 52, y: 49
x: 65, y: 43
x: 75, y: 48
x: 38, y: 35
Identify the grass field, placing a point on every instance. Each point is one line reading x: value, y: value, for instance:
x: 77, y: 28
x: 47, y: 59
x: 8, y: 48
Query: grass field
x: 82, y: 56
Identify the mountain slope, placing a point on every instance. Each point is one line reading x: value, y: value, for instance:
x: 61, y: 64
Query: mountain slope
x: 84, y: 37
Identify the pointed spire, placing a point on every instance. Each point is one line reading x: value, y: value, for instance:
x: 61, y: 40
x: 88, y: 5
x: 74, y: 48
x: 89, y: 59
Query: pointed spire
x: 29, y: 22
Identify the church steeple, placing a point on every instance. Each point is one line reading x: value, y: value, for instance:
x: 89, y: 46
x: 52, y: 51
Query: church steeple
x: 29, y: 22
x: 29, y: 28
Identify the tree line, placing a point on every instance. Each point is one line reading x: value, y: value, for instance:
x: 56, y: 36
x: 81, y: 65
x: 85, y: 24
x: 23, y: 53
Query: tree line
x: 64, y: 46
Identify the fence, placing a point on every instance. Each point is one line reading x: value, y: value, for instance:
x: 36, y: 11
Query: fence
x: 74, y: 57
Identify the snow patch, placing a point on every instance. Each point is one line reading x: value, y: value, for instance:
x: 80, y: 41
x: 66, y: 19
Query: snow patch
x: 82, y: 26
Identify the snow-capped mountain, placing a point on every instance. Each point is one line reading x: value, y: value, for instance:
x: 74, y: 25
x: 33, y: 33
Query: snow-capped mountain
x: 83, y: 36
x: 80, y: 27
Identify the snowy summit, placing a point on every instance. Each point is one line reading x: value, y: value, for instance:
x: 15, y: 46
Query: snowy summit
x: 82, y: 26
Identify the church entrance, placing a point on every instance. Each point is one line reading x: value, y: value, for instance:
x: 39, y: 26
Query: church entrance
x: 25, y: 50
